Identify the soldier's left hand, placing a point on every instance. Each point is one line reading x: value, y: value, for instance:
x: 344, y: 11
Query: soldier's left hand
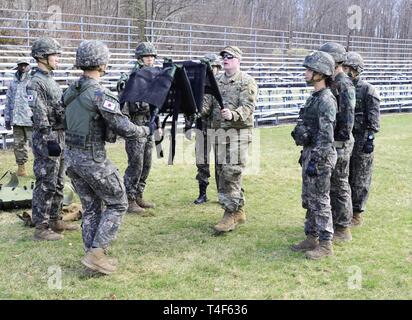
x: 226, y: 114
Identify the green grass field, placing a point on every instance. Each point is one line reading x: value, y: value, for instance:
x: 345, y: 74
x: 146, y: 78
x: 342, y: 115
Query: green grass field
x: 174, y: 254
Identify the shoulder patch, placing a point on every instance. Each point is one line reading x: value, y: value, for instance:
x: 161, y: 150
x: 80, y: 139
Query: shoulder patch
x: 109, y: 105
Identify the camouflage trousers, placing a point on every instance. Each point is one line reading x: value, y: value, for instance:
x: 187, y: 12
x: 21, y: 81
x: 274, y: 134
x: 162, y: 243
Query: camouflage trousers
x: 203, y: 148
x: 231, y: 162
x: 49, y: 171
x: 21, y: 141
x: 102, y: 194
x: 315, y: 195
x: 340, y: 191
x: 139, y: 158
x: 360, y: 176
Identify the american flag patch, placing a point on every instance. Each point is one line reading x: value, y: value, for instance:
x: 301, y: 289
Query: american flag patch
x: 109, y: 105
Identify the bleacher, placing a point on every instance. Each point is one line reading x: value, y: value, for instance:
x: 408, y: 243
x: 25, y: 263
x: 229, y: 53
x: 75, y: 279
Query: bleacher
x: 268, y: 58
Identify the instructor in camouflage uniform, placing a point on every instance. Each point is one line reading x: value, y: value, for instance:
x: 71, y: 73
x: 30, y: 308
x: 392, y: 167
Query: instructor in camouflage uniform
x: 45, y: 99
x: 203, y: 143
x: 234, y: 124
x: 93, y: 117
x: 367, y: 120
x: 17, y: 114
x: 315, y: 131
x: 340, y: 191
x: 139, y: 151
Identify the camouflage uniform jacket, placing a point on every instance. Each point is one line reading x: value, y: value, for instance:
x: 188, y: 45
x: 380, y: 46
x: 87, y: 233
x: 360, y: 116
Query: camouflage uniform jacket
x: 344, y: 91
x: 367, y: 112
x: 239, y: 94
x: 106, y: 118
x: 17, y: 109
x: 319, y: 121
x: 45, y: 98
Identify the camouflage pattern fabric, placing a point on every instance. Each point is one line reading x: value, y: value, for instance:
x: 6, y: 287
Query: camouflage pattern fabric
x: 45, y: 46
x: 145, y: 49
x: 21, y: 141
x: 139, y: 155
x: 340, y: 191
x: 94, y: 177
x: 139, y: 152
x: 239, y: 95
x: 92, y: 53
x: 49, y: 172
x: 367, y: 120
x: 44, y: 96
x: 318, y: 117
x: 17, y: 110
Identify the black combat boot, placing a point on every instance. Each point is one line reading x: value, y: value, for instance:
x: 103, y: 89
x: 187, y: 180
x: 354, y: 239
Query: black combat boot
x: 202, y: 194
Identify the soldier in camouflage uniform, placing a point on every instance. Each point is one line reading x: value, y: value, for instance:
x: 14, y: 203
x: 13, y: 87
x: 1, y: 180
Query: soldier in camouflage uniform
x: 18, y: 114
x: 93, y: 117
x: 367, y: 120
x: 204, y: 143
x: 234, y: 124
x: 139, y: 151
x: 44, y: 96
x: 315, y: 132
x: 340, y: 191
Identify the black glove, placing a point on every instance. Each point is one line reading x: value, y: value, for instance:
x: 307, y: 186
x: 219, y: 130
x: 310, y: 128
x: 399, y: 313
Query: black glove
x: 54, y: 148
x: 8, y: 125
x: 368, y: 147
x: 311, y: 169
x: 300, y: 158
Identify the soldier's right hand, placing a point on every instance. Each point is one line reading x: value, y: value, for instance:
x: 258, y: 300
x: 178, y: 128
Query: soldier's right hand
x: 120, y: 86
x: 311, y: 170
x: 53, y: 148
x: 8, y: 125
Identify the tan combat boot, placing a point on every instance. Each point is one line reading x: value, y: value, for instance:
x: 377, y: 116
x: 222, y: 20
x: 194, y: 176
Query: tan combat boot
x: 60, y: 225
x: 144, y: 204
x: 239, y: 217
x: 357, y: 219
x: 21, y: 170
x: 310, y: 243
x: 44, y: 233
x: 226, y: 224
x: 324, y: 249
x: 96, y: 260
x: 135, y: 208
x: 342, y: 234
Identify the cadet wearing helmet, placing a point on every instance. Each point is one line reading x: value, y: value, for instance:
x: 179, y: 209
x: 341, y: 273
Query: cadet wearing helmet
x: 314, y: 132
x: 203, y: 143
x: 367, y: 120
x: 340, y: 191
x: 17, y: 114
x: 139, y: 151
x: 44, y: 96
x: 93, y: 117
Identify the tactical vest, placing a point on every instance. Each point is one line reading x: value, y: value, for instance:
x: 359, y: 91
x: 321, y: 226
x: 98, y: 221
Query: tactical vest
x: 360, y: 108
x: 85, y: 128
x: 311, y: 115
x: 55, y: 110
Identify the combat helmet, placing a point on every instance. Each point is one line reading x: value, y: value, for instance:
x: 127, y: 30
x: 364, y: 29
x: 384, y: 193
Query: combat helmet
x: 336, y: 50
x: 355, y: 61
x: 213, y: 59
x: 92, y: 53
x: 44, y: 47
x: 145, y: 49
x: 321, y: 62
